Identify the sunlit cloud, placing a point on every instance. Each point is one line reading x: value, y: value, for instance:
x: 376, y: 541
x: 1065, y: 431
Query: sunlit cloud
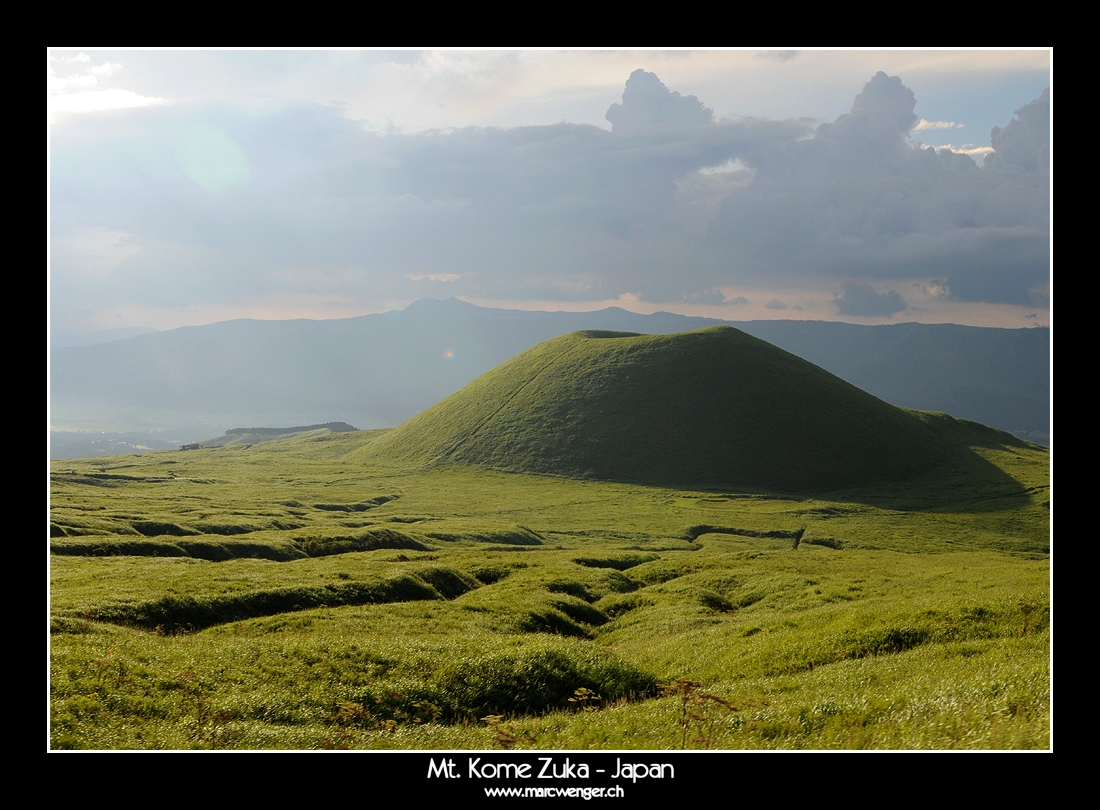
x: 99, y: 100
x: 924, y: 124
x: 969, y: 149
x: 82, y: 92
x: 731, y: 165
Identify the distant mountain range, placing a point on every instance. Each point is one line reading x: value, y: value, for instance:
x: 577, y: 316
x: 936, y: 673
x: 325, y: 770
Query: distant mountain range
x: 379, y: 370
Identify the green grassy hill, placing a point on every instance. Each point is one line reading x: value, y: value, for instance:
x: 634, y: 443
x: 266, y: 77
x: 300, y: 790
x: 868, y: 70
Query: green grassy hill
x: 715, y: 408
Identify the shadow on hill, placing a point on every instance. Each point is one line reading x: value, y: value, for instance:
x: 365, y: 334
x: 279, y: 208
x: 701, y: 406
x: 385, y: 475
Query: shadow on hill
x: 965, y: 481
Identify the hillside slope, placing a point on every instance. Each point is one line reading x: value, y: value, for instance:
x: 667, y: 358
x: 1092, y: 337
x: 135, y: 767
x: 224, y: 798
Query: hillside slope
x: 713, y: 408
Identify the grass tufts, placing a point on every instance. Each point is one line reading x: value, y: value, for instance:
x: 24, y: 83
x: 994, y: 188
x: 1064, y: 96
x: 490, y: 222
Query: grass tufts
x: 539, y: 678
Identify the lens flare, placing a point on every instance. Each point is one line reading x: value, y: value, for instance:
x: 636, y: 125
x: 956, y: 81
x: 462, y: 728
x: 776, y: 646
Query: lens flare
x: 212, y: 159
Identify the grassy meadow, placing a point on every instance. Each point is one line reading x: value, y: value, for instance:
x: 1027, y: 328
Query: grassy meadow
x: 306, y: 593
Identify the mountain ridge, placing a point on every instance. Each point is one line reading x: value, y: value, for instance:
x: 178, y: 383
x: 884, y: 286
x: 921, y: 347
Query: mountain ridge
x: 379, y: 370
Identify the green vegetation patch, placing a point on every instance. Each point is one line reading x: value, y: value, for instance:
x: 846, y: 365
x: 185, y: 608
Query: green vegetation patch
x: 540, y: 677
x: 171, y: 614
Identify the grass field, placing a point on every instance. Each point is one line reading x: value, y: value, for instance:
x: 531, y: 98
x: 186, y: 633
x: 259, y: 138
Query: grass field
x: 307, y: 593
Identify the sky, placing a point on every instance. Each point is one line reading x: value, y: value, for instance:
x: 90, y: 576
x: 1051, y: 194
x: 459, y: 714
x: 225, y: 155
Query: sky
x: 190, y: 187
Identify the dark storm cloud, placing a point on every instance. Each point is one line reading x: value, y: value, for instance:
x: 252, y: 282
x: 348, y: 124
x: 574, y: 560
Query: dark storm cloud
x: 861, y: 299
x: 860, y: 199
x: 563, y: 211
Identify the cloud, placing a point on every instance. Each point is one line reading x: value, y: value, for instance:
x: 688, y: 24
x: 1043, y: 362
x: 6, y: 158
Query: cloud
x: 1023, y: 145
x: 880, y: 118
x: 968, y: 149
x: 859, y: 200
x: 712, y: 297
x: 99, y: 100
x: 647, y: 103
x: 861, y: 299
x: 671, y: 205
x: 96, y: 251
x: 81, y: 92
x: 104, y: 70
x: 433, y: 276
x: 776, y: 56
x: 775, y: 303
x: 924, y: 124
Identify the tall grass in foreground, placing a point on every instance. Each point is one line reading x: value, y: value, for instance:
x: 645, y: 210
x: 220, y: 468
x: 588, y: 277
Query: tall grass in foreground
x: 567, y: 610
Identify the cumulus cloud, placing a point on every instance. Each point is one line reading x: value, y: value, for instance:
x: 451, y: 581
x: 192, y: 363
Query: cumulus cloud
x: 647, y: 102
x: 880, y: 118
x: 671, y: 204
x: 859, y: 200
x: 1024, y: 145
x: 862, y: 300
